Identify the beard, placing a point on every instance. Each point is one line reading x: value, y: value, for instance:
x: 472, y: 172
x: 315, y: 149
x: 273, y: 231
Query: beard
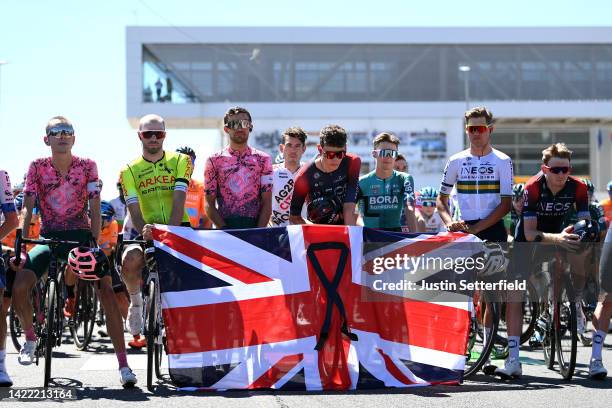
x: 153, y: 149
x: 239, y: 139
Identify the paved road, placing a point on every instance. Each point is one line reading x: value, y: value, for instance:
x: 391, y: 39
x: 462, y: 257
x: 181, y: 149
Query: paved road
x: 95, y: 374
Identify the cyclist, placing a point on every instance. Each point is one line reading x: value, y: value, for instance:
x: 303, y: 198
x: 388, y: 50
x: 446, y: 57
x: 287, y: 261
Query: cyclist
x: 194, y: 203
x: 400, y: 164
x: 118, y: 204
x: 603, y: 312
x: 328, y: 184
x: 428, y: 219
x: 384, y: 192
x: 65, y: 185
x: 155, y: 187
x: 511, y: 219
x: 9, y: 223
x: 549, y: 195
x: 238, y: 179
x: 483, y: 177
x: 607, y: 205
x: 292, y: 147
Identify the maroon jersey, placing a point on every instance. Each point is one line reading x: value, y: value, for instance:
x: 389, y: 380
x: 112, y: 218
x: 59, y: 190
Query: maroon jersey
x: 550, y: 209
x: 336, y: 188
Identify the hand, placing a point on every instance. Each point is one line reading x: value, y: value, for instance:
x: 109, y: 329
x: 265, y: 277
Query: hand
x: 569, y: 240
x: 458, y: 226
x: 147, y: 232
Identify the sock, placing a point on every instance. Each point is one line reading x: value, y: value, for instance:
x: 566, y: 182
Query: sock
x: 30, y: 335
x: 69, y: 291
x: 136, y: 299
x: 2, y: 357
x: 122, y: 359
x: 598, y: 341
x: 513, y: 346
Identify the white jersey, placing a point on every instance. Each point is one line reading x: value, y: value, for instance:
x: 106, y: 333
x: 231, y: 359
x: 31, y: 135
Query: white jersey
x: 481, y: 182
x: 282, y: 192
x: 119, y: 207
x: 7, y: 204
x: 434, y: 223
x: 129, y: 231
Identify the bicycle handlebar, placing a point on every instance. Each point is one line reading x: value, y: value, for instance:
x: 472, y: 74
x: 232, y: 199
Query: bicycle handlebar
x: 52, y: 242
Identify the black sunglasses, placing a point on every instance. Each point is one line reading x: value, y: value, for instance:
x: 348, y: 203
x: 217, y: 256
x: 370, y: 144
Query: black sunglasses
x: 61, y: 130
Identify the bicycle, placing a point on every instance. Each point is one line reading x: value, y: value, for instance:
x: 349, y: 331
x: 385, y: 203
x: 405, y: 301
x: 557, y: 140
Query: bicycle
x: 48, y: 331
x: 83, y: 319
x: 152, y: 313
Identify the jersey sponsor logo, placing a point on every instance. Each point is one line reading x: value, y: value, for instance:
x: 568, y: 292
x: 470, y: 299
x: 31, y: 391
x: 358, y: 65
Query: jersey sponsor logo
x: 152, y: 181
x: 377, y: 200
x: 554, y: 207
x: 279, y: 218
x: 283, y: 197
x: 468, y: 171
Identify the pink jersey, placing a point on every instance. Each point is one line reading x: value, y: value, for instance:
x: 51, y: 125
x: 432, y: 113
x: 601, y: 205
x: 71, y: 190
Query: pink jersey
x: 63, y: 201
x: 237, y: 179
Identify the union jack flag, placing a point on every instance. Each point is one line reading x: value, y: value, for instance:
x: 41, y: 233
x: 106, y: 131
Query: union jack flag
x: 292, y: 308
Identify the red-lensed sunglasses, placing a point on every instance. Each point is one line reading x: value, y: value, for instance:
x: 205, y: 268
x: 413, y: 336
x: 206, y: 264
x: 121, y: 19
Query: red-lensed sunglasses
x: 477, y: 128
x: 331, y: 155
x: 147, y: 134
x: 559, y: 169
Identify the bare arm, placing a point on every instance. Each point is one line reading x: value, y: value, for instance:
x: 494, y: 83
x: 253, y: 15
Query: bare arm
x: 411, y: 221
x: 213, y: 212
x: 266, y: 209
x: 348, y: 212
x: 96, y: 220
x: 178, y: 207
x: 444, y: 211
x: 136, y: 216
x: 29, y: 201
x: 10, y: 223
x: 296, y: 220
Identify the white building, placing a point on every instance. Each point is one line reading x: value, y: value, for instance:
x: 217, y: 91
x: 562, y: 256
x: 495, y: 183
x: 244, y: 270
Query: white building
x: 542, y: 84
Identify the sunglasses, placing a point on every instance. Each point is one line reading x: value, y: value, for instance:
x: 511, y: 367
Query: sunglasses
x: 147, y: 134
x: 428, y: 203
x: 559, y: 170
x: 477, y: 128
x: 61, y: 130
x: 238, y: 123
x: 383, y: 153
x: 332, y: 155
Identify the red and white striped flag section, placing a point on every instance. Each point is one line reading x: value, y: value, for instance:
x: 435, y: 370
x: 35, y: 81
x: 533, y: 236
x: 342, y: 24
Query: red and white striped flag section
x: 287, y: 308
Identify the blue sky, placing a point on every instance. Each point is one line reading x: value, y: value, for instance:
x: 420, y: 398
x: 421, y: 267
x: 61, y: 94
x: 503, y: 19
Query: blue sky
x: 68, y: 57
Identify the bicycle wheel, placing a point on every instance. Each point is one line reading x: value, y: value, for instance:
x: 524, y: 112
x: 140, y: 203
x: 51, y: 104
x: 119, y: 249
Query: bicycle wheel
x: 150, y: 331
x: 548, y: 336
x: 531, y: 309
x: 566, y: 333
x: 84, y: 318
x: 50, y: 339
x: 15, y: 329
x: 158, y: 360
x: 478, y: 351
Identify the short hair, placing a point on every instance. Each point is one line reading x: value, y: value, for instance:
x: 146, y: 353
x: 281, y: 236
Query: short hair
x: 479, y: 112
x: 296, y: 132
x: 60, y: 119
x: 235, y: 111
x: 151, y: 118
x: 386, y: 137
x: 333, y: 135
x: 401, y: 157
x: 559, y: 150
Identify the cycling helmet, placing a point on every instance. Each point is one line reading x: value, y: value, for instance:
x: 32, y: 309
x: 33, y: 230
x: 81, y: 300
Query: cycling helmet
x: 107, y: 211
x: 427, y: 196
x: 324, y: 210
x: 610, y: 186
x: 495, y: 259
x: 587, y: 230
x: 517, y: 190
x: 19, y: 201
x: 87, y: 263
x: 188, y: 151
x: 589, y: 184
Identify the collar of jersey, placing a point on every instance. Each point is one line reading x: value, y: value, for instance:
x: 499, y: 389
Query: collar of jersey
x: 233, y: 152
x: 149, y: 161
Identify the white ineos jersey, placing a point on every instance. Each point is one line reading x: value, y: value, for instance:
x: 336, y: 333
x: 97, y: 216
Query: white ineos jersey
x: 282, y: 192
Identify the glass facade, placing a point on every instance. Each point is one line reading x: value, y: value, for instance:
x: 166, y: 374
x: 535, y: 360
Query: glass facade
x: 200, y: 73
x: 525, y: 147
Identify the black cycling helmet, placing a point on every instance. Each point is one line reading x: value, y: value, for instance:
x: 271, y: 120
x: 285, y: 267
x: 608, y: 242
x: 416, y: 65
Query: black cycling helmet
x: 587, y: 230
x: 188, y: 151
x: 324, y: 210
x: 517, y: 190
